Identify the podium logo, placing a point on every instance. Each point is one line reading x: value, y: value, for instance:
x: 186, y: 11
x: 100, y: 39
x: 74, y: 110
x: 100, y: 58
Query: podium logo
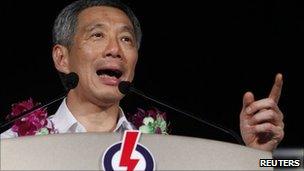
x: 128, y: 155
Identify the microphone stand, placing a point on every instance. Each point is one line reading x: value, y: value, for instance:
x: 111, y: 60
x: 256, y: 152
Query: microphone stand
x: 219, y: 127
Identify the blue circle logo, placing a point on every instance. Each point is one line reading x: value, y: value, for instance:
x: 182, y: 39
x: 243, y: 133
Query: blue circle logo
x: 126, y: 155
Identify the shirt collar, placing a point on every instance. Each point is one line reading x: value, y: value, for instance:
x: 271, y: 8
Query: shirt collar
x: 65, y: 122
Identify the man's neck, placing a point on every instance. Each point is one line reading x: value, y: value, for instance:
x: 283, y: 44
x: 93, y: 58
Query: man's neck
x: 93, y: 117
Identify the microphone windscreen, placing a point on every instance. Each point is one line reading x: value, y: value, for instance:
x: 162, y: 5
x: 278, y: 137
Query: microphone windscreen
x: 124, y: 87
x: 71, y: 80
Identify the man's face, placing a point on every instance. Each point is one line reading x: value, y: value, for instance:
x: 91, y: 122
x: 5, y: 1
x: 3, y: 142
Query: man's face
x: 103, y: 53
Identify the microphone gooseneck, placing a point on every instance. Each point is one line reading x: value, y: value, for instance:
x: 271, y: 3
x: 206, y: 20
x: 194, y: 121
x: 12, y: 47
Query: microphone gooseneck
x: 126, y: 87
x: 71, y: 80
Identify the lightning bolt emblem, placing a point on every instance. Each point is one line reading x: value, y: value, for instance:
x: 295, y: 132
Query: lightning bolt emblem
x: 128, y: 146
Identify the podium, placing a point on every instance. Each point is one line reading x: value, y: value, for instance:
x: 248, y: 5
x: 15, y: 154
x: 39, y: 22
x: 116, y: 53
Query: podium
x: 84, y: 151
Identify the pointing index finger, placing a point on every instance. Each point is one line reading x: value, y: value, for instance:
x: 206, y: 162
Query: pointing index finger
x: 276, y: 88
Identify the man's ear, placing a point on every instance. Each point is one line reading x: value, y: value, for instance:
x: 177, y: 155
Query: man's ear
x: 61, y: 58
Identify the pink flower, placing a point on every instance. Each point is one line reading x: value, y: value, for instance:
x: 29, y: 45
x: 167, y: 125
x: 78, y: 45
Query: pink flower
x: 138, y: 117
x: 158, y: 130
x: 32, y: 123
x: 21, y: 107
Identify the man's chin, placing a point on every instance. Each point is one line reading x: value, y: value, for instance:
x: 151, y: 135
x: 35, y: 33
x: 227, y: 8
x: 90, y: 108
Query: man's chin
x: 110, y: 97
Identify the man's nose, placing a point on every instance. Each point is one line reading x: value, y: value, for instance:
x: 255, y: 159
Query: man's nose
x: 113, y: 49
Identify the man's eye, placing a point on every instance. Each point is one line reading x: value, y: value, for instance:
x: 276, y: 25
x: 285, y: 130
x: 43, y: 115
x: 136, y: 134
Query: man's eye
x: 98, y: 35
x: 127, y: 39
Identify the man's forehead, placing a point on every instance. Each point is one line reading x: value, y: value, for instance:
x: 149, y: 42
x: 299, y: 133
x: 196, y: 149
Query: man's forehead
x: 102, y: 15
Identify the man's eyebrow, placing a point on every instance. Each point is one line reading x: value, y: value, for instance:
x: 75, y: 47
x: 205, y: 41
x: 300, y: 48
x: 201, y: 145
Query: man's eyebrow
x: 128, y: 29
x: 94, y: 26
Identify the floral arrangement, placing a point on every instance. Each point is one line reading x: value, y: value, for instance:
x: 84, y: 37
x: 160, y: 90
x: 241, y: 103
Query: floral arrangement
x: 36, y: 123
x: 151, y: 121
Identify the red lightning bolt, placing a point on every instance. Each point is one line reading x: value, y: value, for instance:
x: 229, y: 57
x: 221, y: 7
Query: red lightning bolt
x: 129, y: 143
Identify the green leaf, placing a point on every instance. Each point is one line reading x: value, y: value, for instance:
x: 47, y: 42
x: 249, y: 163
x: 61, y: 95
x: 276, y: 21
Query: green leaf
x: 146, y: 129
x: 43, y: 131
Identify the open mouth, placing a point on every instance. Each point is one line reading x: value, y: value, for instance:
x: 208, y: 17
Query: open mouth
x: 112, y: 73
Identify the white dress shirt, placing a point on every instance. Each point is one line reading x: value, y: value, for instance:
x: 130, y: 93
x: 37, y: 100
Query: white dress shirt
x: 65, y: 122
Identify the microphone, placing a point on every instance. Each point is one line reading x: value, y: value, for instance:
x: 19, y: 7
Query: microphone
x: 126, y: 87
x: 71, y: 81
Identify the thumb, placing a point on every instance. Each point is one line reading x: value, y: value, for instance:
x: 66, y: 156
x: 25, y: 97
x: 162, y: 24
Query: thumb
x: 247, y: 99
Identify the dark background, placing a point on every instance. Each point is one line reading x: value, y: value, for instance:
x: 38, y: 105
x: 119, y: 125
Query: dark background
x: 201, y: 56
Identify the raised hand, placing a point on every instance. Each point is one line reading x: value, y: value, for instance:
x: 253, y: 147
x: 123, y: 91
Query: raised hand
x: 261, y: 121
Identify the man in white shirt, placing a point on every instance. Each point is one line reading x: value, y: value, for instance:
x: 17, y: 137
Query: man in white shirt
x: 99, y: 40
